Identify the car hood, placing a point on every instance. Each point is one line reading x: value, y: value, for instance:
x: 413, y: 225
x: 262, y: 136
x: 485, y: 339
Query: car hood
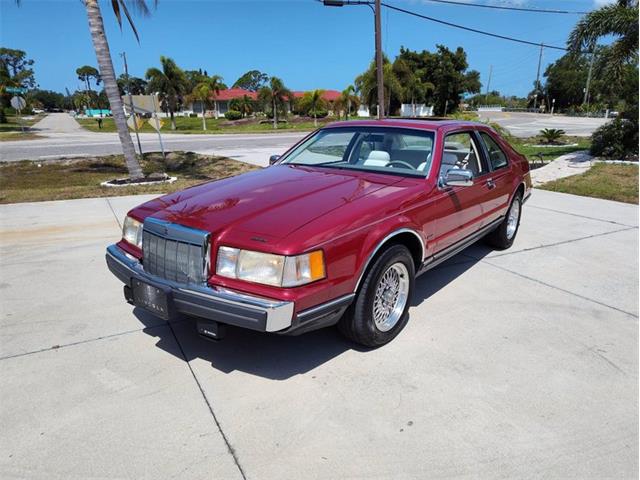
x: 269, y: 203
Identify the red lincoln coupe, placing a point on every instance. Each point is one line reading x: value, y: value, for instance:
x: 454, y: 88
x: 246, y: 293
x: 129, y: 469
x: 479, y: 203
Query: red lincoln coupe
x: 333, y: 232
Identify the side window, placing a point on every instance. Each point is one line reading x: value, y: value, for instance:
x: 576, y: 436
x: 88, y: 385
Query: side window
x: 497, y: 157
x: 460, y: 151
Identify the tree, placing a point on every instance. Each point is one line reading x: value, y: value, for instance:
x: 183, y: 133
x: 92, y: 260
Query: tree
x: 312, y: 103
x: 137, y: 85
x: 447, y: 71
x: 415, y: 90
x: 204, y: 91
x: 367, y: 85
x: 244, y: 105
x: 252, y: 80
x: 619, y: 19
x: 348, y: 98
x: 276, y: 96
x: 171, y: 84
x: 47, y: 99
x: 86, y: 73
x: 17, y: 68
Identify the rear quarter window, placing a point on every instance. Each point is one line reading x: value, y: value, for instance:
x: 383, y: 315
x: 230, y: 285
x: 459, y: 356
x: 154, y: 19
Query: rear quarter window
x: 497, y: 157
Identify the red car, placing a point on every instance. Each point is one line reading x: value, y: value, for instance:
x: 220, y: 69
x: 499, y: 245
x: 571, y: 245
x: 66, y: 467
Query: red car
x: 333, y: 232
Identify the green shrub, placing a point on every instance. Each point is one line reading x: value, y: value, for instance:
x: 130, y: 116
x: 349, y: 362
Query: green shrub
x: 616, y: 139
x: 319, y: 113
x: 193, y: 115
x: 233, y: 115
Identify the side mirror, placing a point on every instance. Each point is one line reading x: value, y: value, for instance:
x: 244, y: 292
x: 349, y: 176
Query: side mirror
x: 273, y: 159
x: 458, y: 177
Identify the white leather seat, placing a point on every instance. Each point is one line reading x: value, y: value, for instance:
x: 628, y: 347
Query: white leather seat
x: 449, y: 161
x: 377, y: 158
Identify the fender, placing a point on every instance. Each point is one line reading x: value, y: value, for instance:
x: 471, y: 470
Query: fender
x: 379, y: 245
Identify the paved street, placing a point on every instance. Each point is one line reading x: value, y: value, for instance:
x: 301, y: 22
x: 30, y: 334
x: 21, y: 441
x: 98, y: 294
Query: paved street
x: 522, y: 124
x: 516, y: 364
x: 67, y: 138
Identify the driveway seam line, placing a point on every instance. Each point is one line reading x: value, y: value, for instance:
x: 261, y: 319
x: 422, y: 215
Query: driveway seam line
x: 88, y: 340
x: 114, y: 213
x: 206, y: 400
x: 563, y: 242
x: 556, y: 287
x: 582, y: 216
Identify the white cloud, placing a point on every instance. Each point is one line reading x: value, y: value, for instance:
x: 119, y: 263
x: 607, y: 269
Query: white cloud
x: 600, y: 3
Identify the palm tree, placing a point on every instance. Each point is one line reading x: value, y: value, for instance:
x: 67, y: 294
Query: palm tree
x: 244, y: 105
x: 366, y: 83
x: 107, y: 74
x: 313, y: 101
x: 170, y: 82
x: 276, y: 95
x: 619, y: 19
x: 203, y: 92
x: 348, y: 98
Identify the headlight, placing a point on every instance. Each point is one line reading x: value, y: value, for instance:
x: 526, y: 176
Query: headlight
x: 270, y: 269
x: 132, y: 231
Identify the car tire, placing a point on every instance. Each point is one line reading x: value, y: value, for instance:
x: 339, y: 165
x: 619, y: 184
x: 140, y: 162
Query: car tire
x: 503, y: 236
x: 364, y: 321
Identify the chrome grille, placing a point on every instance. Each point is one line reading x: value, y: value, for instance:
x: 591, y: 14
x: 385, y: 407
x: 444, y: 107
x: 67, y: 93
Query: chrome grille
x: 174, y: 252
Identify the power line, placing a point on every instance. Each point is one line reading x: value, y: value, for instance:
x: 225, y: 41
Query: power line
x: 503, y: 7
x: 468, y: 29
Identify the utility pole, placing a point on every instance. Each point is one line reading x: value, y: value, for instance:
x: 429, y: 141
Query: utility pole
x: 489, y: 81
x: 535, y: 96
x: 377, y: 13
x: 586, y: 88
x: 379, y: 67
x: 133, y: 111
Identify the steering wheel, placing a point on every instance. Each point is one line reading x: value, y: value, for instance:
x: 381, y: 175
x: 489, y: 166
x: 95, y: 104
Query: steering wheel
x: 404, y: 164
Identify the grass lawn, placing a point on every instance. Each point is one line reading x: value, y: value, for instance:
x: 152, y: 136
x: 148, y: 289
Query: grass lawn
x: 12, y: 130
x: 610, y: 182
x: 220, y: 125
x: 527, y: 147
x: 80, y: 178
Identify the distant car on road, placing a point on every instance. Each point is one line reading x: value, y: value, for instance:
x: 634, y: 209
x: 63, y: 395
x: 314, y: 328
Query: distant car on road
x: 335, y: 231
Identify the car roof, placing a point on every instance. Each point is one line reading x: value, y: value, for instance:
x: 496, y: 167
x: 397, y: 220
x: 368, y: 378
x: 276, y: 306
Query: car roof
x: 432, y: 123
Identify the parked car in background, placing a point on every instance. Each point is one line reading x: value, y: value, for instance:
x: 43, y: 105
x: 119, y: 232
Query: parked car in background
x: 334, y: 232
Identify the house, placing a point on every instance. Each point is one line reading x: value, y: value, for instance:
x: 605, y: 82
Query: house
x: 220, y: 101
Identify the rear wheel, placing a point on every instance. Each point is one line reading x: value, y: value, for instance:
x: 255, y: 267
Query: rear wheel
x: 380, y: 310
x: 504, y: 236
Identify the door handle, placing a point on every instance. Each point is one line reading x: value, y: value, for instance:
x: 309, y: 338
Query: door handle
x: 491, y: 184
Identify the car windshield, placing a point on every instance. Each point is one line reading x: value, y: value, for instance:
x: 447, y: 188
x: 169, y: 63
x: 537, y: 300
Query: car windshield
x: 376, y: 149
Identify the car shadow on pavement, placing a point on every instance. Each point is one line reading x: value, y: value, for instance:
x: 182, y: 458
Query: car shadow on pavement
x: 279, y: 357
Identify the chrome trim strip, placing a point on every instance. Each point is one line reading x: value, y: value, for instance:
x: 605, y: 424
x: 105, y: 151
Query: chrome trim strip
x: 279, y: 313
x: 382, y: 242
x: 336, y: 301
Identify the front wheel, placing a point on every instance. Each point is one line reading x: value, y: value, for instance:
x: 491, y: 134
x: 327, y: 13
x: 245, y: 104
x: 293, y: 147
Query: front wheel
x: 504, y: 236
x: 380, y: 310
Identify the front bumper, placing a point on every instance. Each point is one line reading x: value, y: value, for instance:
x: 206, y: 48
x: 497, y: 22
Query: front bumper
x: 218, y: 304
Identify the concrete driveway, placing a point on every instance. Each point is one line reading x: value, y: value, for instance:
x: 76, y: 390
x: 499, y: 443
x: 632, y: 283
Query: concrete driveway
x: 516, y: 364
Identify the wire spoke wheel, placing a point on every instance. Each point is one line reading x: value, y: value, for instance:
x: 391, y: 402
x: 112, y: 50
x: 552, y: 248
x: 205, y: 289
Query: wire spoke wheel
x: 391, y: 295
x: 513, y: 219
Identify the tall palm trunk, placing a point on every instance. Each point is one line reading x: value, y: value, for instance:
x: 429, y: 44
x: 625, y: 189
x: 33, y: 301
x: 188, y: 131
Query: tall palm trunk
x: 204, y: 121
x: 275, y: 114
x: 173, y: 120
x: 105, y: 64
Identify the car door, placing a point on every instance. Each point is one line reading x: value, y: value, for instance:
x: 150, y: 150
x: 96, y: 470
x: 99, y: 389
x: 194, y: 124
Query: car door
x: 459, y: 210
x: 499, y: 194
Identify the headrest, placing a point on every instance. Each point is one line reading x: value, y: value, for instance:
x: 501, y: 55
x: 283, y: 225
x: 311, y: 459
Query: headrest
x: 377, y: 158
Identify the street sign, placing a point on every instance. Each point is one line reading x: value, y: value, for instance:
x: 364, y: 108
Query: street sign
x: 134, y: 122
x: 142, y: 103
x: 18, y: 103
x: 156, y: 126
x: 15, y: 90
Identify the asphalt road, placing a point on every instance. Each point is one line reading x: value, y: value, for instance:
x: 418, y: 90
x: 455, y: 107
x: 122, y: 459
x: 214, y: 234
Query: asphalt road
x: 521, y: 124
x: 516, y: 364
x: 67, y: 139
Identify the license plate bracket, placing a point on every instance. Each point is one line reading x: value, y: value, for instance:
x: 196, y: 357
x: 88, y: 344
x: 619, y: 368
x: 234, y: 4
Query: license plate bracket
x: 152, y: 298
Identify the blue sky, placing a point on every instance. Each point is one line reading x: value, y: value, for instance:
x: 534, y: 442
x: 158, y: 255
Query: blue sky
x: 306, y: 44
